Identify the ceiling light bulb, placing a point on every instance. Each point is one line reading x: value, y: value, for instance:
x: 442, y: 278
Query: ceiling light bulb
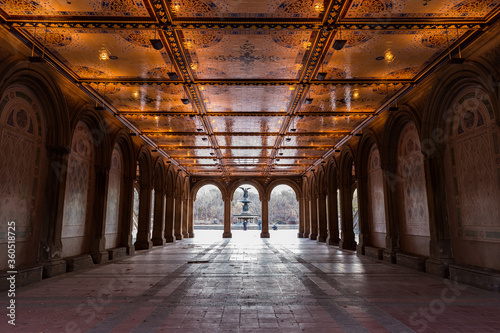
x: 388, y: 56
x: 103, y: 54
x: 318, y: 6
x: 355, y: 94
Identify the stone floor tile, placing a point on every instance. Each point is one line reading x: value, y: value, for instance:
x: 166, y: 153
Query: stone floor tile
x: 249, y: 285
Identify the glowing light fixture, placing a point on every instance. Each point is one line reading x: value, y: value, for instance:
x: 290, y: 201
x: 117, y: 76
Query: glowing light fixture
x: 318, y: 6
x: 388, y: 56
x: 104, y: 53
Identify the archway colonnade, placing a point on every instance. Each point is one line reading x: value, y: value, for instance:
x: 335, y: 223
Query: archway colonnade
x: 427, y: 177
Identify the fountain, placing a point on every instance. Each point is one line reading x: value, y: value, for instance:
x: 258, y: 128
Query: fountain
x: 245, y: 217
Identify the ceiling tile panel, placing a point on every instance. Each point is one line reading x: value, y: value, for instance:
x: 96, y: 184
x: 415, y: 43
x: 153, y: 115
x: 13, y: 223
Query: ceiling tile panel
x: 238, y: 9
x: 246, y: 161
x: 410, y: 9
x: 246, y: 54
x: 105, y: 53
x: 91, y: 8
x: 189, y: 153
x: 246, y: 124
x: 311, y: 141
x: 172, y: 141
x: 300, y: 153
x: 328, y: 124
x: 338, y: 98
x: 247, y: 98
x: 156, y: 98
x: 294, y: 161
x: 246, y: 141
x: 392, y: 54
x: 163, y: 124
x: 231, y: 153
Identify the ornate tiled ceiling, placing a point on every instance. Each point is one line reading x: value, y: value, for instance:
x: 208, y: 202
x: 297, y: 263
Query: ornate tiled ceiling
x: 235, y: 89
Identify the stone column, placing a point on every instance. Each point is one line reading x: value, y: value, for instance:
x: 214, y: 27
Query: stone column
x: 307, y: 219
x: 265, y: 219
x: 302, y: 218
x: 51, y: 231
x: 322, y: 231
x: 98, y: 238
x: 391, y: 214
x: 313, y: 212
x: 364, y: 216
x: 169, y: 218
x: 440, y: 249
x: 143, y: 241
x: 126, y: 214
x: 185, y: 214
x: 227, y: 219
x: 333, y: 218
x: 178, y: 218
x: 190, y: 218
x: 347, y: 242
x: 159, y: 218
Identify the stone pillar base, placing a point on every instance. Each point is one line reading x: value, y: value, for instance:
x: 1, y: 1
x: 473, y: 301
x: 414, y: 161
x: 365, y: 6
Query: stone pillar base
x: 185, y: 235
x: 227, y: 235
x: 347, y: 245
x: 53, y: 268
x: 321, y: 239
x: 438, y: 267
x: 100, y: 257
x: 264, y: 235
x: 131, y: 250
x: 191, y: 235
x: 170, y: 239
x: 313, y: 236
x: 390, y: 256
x: 360, y: 249
x: 158, y: 241
x: 143, y: 245
x: 300, y: 235
x: 179, y: 237
x: 331, y: 241
x: 23, y: 277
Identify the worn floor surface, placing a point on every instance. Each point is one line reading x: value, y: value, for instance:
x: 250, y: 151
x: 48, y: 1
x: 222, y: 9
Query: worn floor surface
x: 246, y: 284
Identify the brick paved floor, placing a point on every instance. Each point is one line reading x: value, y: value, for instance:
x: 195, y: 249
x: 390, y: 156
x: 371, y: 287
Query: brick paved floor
x: 246, y: 284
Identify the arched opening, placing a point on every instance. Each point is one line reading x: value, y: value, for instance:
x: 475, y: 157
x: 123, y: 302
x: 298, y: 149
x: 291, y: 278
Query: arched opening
x: 283, y: 213
x: 339, y: 220
x: 246, y: 208
x: 151, y: 222
x: 135, y: 215
x: 355, y: 214
x: 208, y: 209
